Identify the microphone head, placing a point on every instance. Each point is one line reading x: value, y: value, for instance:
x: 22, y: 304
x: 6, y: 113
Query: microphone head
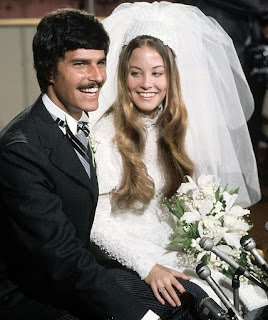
x: 203, y: 271
x: 266, y: 226
x: 206, y: 243
x: 247, y: 243
x: 212, y: 310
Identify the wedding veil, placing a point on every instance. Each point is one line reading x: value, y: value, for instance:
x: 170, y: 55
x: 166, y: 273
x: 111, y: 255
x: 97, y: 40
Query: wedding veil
x: 214, y: 87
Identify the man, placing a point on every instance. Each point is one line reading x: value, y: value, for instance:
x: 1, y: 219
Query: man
x: 49, y: 188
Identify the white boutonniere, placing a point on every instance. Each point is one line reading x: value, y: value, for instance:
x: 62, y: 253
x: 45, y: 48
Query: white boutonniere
x: 93, y: 142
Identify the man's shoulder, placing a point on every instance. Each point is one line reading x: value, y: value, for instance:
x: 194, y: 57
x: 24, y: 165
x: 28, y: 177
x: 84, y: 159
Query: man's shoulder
x: 18, y: 129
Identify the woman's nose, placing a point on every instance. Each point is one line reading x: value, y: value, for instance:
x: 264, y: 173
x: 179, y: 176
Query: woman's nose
x: 146, y: 82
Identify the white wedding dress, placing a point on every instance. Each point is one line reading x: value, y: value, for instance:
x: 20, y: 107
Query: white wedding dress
x: 138, y: 238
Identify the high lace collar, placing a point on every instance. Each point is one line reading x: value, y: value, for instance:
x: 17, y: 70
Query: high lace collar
x: 151, y: 122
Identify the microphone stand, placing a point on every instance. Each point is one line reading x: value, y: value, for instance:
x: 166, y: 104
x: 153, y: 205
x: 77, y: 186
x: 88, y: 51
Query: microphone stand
x: 236, y: 286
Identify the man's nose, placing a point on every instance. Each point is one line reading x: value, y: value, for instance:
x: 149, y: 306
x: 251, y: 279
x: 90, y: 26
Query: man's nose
x: 95, y: 74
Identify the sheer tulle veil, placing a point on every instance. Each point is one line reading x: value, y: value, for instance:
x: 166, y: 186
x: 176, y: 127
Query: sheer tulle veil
x: 214, y: 87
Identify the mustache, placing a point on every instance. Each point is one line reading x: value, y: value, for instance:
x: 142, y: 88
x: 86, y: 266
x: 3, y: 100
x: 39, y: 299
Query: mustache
x: 91, y: 84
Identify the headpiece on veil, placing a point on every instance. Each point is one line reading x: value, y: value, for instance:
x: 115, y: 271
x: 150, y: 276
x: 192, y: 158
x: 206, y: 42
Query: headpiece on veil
x: 214, y: 88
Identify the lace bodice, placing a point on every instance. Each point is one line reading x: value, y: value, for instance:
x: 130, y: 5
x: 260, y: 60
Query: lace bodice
x: 138, y: 238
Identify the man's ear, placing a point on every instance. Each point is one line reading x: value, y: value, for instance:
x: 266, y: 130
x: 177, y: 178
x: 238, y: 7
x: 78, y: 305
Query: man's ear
x: 50, y: 77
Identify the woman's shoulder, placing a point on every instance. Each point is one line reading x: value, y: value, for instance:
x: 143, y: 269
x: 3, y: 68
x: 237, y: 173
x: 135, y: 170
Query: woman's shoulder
x: 104, y: 129
x: 108, y: 159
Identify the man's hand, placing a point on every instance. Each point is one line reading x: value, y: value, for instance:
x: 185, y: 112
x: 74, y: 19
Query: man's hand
x: 162, y: 281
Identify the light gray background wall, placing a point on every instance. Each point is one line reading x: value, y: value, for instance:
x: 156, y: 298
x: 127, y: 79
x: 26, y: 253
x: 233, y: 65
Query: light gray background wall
x: 18, y: 87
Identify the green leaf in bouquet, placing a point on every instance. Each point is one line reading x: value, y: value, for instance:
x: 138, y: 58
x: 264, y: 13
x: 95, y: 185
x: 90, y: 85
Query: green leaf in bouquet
x: 179, y: 229
x: 179, y: 239
x: 234, y: 191
x: 186, y: 243
x: 180, y: 208
x: 184, y: 240
x: 206, y: 259
x: 169, y: 206
x: 193, y: 232
x: 178, y: 211
x: 243, y: 259
x: 229, y: 272
x: 217, y: 194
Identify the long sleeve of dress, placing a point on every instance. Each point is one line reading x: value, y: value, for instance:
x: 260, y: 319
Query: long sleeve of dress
x: 126, y: 248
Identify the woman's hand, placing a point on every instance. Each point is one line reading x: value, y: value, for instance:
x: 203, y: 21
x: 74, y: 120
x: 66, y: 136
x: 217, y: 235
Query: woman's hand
x: 162, y: 281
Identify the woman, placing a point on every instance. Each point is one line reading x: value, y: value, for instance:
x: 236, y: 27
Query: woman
x: 141, y: 150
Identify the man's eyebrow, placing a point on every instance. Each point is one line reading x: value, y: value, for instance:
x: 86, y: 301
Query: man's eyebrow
x: 102, y: 59
x: 80, y: 60
x: 87, y: 60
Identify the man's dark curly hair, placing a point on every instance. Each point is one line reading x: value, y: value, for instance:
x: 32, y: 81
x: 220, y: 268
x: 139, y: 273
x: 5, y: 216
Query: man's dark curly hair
x: 61, y: 31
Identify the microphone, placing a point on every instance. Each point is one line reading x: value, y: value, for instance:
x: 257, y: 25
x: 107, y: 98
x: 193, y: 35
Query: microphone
x: 212, y: 310
x: 207, y: 244
x: 266, y: 226
x: 249, y: 245
x: 204, y: 273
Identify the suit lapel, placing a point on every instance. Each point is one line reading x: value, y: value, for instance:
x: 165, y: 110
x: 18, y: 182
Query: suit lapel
x: 63, y: 155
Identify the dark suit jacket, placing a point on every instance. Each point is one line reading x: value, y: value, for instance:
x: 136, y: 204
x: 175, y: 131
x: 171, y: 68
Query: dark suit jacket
x: 47, y: 208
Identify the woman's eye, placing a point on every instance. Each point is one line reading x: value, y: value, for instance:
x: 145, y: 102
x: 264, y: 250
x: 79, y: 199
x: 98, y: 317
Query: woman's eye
x: 135, y: 73
x: 157, y: 74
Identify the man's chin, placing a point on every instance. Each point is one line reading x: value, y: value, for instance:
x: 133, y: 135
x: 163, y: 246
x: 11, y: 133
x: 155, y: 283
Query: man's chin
x: 92, y: 107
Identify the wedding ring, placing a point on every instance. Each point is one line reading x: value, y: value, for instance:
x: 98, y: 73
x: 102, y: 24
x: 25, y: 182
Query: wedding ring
x: 161, y: 289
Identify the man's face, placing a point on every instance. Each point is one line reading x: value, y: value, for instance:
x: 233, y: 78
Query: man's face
x: 76, y: 84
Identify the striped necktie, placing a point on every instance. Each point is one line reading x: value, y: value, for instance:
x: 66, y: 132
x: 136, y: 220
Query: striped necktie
x: 79, y: 142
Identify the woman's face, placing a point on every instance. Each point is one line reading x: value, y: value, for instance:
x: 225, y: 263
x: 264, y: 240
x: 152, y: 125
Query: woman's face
x: 146, y: 81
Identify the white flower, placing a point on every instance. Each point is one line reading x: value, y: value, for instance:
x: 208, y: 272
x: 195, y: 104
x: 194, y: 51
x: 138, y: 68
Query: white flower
x: 216, y: 263
x: 235, y: 228
x: 195, y: 244
x: 93, y: 142
x: 211, y: 227
x: 234, y: 224
x: 218, y: 207
x: 208, y: 185
x: 229, y: 200
x: 206, y: 206
x: 187, y: 186
x: 209, y: 211
x: 191, y: 216
x: 238, y: 211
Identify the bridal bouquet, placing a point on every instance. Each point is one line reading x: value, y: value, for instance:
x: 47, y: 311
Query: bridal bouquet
x: 206, y: 209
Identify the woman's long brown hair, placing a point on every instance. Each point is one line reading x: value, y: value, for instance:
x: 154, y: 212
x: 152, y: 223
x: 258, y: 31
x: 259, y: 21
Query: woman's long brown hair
x: 130, y: 137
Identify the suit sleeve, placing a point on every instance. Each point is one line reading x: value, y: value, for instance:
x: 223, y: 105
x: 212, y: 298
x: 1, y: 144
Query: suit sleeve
x: 42, y: 248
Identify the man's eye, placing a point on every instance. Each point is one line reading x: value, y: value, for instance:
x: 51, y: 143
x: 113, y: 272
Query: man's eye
x: 78, y: 63
x: 103, y: 63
